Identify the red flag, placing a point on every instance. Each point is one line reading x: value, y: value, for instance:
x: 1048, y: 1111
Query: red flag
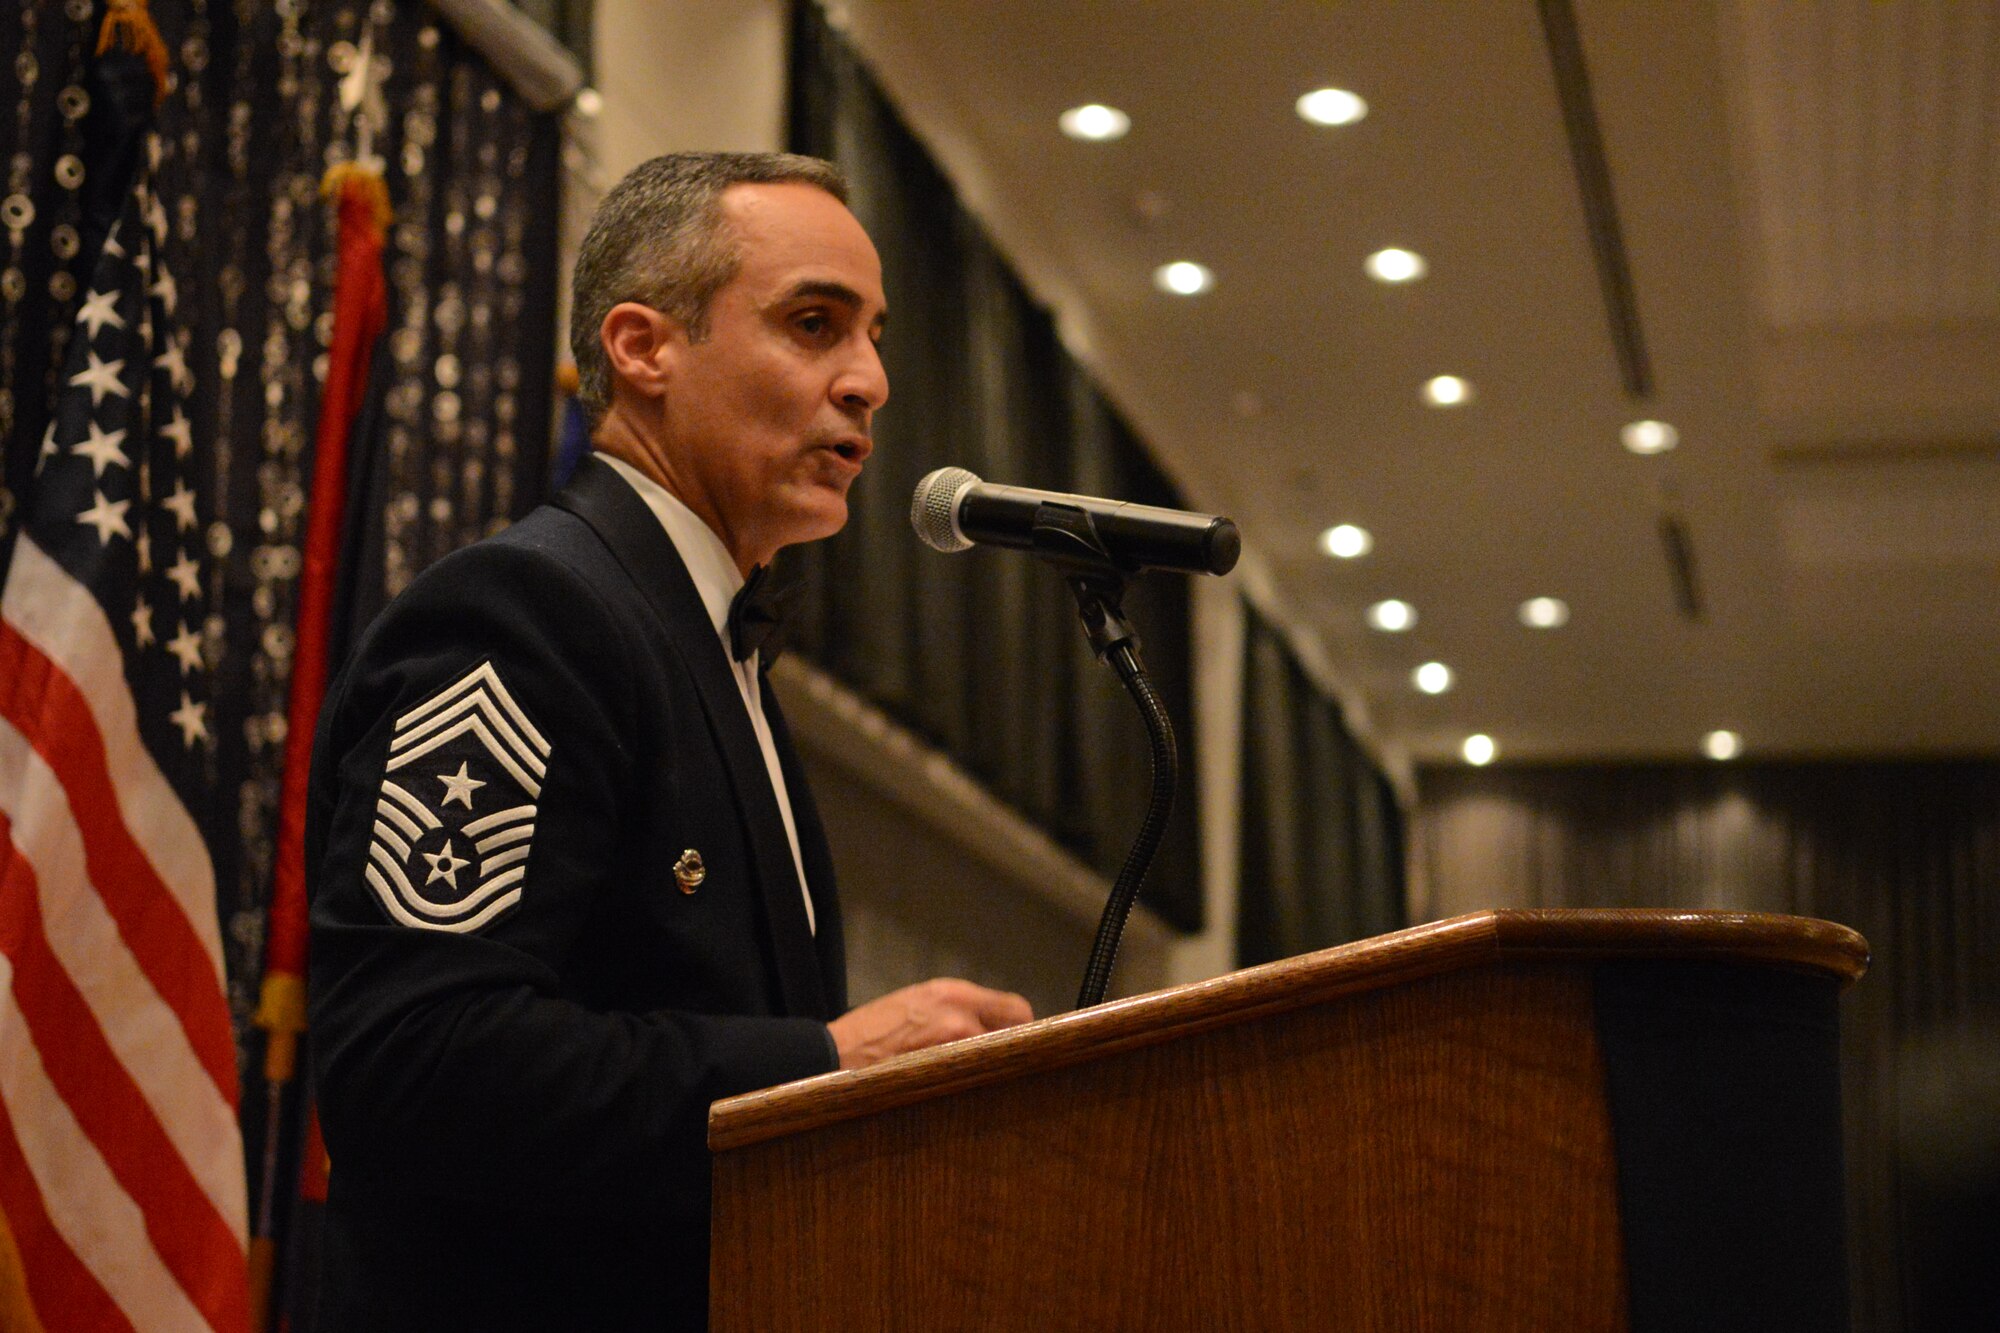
x: 360, y: 314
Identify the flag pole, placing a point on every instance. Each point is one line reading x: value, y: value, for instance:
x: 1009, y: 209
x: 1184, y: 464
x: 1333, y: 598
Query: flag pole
x: 360, y: 314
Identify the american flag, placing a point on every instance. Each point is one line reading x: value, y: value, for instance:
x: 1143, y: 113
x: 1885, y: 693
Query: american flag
x: 121, y: 1162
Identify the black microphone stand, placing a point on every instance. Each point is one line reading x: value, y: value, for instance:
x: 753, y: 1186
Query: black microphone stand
x: 1067, y: 538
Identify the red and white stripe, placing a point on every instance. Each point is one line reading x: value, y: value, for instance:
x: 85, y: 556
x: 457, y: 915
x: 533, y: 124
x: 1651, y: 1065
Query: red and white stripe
x: 121, y: 1166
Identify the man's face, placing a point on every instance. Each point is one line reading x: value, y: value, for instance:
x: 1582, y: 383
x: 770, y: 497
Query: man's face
x: 768, y: 418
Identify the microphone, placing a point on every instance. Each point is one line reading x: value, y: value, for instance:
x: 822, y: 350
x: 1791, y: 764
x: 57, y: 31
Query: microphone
x: 953, y: 510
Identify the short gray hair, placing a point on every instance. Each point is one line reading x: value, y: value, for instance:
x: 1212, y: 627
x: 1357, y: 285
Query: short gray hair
x: 658, y: 238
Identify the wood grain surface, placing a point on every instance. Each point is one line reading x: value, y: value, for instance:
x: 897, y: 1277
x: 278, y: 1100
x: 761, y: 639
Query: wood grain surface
x: 1430, y: 1155
x: 1311, y: 979
x: 1744, y: 937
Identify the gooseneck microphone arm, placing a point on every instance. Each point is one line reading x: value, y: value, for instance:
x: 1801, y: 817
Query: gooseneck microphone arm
x: 1124, y: 659
x: 1066, y: 537
x: 1070, y: 533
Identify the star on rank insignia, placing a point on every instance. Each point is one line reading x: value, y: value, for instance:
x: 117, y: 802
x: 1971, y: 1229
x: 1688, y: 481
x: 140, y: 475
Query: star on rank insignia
x: 455, y: 818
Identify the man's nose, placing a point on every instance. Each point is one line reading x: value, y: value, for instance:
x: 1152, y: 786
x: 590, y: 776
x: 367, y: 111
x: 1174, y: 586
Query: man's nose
x: 864, y: 383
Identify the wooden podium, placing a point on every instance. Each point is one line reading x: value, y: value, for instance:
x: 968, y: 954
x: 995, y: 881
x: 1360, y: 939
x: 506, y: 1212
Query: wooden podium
x: 1510, y: 1120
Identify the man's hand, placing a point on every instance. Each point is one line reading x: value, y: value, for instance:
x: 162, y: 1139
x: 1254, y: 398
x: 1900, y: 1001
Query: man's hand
x: 927, y: 1014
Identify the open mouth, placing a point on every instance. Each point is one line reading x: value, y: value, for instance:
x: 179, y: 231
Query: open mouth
x: 851, y: 451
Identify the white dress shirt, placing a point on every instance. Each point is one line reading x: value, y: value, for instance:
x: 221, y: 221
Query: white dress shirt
x: 717, y: 579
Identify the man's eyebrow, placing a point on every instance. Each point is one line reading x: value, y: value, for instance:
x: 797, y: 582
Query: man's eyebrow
x: 838, y: 292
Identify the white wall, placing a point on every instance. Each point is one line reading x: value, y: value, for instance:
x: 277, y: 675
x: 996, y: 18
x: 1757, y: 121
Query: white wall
x: 681, y: 75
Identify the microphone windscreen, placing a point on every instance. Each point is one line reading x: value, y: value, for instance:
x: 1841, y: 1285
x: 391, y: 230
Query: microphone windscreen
x: 932, y: 508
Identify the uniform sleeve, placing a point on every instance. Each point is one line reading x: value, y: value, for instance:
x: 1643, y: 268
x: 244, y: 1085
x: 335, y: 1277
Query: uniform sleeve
x: 466, y: 793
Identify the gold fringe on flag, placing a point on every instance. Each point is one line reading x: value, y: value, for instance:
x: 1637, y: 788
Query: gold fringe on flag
x: 129, y: 25
x: 343, y: 178
x: 281, y: 1012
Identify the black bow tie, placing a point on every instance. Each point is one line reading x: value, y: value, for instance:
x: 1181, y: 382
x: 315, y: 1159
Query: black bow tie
x: 754, y: 616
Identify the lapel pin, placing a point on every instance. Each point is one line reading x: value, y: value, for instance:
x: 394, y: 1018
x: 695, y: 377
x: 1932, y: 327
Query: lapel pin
x: 689, y: 871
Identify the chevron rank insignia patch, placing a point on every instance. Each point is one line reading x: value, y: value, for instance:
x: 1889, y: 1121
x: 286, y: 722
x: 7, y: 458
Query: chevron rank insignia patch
x: 455, y: 819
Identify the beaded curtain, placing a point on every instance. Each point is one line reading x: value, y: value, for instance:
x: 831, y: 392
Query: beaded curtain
x: 459, y: 401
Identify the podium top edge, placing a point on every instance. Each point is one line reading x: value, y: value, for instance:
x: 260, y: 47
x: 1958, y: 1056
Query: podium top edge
x: 1460, y: 943
x: 1746, y: 937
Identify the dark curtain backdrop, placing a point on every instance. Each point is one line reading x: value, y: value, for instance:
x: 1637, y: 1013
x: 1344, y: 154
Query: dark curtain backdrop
x: 460, y: 395
x: 1322, y: 834
x: 981, y: 652
x: 1906, y: 853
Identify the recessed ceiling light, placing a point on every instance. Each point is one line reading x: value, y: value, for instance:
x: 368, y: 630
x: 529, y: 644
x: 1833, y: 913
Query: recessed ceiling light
x: 1395, y: 265
x: 1332, y: 106
x: 1432, y: 677
x: 1479, y: 749
x: 1183, y: 278
x: 1094, y: 122
x: 1545, y: 613
x: 1392, y: 616
x: 1649, y: 437
x: 1722, y: 745
x: 1346, y: 541
x: 1447, y: 391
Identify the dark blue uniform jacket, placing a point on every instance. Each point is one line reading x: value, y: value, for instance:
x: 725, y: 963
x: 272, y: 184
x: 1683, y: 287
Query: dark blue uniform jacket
x: 520, y: 1011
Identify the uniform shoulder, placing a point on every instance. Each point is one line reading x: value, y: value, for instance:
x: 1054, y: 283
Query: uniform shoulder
x: 548, y: 553
x: 545, y: 587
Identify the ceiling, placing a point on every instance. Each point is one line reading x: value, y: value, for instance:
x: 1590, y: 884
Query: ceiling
x: 1808, y: 205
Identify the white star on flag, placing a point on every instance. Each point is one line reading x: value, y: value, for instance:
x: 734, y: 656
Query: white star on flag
x: 99, y: 309
x: 142, y: 623
x: 108, y: 517
x: 181, y: 502
x: 143, y: 546
x: 192, y: 719
x: 48, y: 443
x: 102, y: 377
x: 104, y: 448
x: 186, y: 648
x: 186, y: 575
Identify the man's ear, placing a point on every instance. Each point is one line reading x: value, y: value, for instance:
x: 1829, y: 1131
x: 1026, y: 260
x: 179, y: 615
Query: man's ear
x: 638, y: 344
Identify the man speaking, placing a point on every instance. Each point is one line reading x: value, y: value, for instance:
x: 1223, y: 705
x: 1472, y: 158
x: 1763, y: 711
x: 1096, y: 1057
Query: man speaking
x: 568, y: 884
